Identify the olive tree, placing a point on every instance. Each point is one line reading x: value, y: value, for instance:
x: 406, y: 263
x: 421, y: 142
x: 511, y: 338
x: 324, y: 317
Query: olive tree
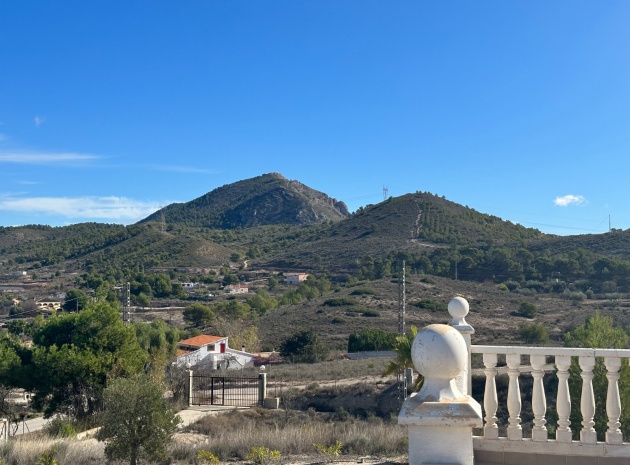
x: 137, y: 422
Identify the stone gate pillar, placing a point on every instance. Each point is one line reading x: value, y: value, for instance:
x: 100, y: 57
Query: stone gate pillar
x: 440, y: 418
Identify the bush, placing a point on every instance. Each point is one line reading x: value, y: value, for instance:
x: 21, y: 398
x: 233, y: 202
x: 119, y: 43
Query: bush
x: 534, y: 333
x: 369, y: 339
x: 371, y: 313
x: 261, y: 455
x: 205, y: 457
x: 330, y: 452
x: 503, y: 287
x: 59, y: 428
x: 363, y: 291
x: 340, y: 302
x: 528, y: 310
x: 431, y: 305
x: 337, y: 321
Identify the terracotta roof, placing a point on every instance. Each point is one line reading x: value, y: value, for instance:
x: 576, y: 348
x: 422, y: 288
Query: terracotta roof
x: 201, y: 340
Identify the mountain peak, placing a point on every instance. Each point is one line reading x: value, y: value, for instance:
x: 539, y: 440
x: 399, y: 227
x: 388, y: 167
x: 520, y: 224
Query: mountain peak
x: 267, y: 199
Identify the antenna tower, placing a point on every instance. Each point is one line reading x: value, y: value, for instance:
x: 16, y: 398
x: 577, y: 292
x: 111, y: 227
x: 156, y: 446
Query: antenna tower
x: 385, y: 192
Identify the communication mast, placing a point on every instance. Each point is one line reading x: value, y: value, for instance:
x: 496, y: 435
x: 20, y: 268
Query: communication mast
x: 385, y: 193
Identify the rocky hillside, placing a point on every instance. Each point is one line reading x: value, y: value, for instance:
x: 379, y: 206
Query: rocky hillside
x: 263, y: 200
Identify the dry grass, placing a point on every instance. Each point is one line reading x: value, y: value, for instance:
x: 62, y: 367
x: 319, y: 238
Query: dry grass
x: 293, y: 433
x: 27, y: 450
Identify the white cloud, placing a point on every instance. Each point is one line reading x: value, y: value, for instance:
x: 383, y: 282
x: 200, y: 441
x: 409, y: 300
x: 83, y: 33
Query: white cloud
x: 39, y: 120
x: 44, y: 158
x: 117, y: 209
x: 179, y: 169
x: 570, y: 199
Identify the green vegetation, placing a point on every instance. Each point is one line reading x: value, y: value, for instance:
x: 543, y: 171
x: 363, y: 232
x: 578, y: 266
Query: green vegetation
x: 340, y: 302
x: 136, y: 421
x: 363, y: 291
x: 527, y: 310
x: 599, y: 332
x: 371, y: 339
x: 305, y: 347
x: 534, y: 333
x: 431, y: 305
x: 198, y: 315
x: 260, y: 455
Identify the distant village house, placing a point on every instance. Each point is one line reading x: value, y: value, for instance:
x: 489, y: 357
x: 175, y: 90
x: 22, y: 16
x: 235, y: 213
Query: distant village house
x: 296, y: 278
x: 236, y: 289
x: 211, y: 352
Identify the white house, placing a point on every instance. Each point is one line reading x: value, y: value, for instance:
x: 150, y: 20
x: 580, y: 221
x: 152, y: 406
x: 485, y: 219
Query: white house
x: 237, y: 289
x: 211, y: 352
x: 296, y: 278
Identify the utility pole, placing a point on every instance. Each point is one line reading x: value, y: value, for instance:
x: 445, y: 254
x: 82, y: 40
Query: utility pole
x: 402, y: 375
x: 126, y: 305
x: 401, y: 300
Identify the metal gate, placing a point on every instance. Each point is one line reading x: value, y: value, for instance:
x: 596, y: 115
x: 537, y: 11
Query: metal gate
x: 206, y: 389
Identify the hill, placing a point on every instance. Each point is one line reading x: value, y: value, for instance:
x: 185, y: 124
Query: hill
x: 263, y: 200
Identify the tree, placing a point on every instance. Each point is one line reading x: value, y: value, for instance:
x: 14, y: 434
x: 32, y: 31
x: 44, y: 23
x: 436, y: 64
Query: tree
x: 73, y: 355
x: 137, y: 422
x: 304, y: 346
x: 76, y: 300
x: 198, y: 315
x: 599, y: 332
x: 402, y: 349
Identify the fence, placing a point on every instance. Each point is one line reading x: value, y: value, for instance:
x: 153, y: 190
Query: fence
x: 206, y: 389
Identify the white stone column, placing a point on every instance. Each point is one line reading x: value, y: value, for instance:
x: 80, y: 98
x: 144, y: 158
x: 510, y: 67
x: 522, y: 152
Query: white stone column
x: 563, y: 402
x: 514, y: 430
x: 458, y: 308
x: 490, y: 398
x: 539, y: 400
x: 440, y: 418
x: 588, y: 435
x: 613, y: 401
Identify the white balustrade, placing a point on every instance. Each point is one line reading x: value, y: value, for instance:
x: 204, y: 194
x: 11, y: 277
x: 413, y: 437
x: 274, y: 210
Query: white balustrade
x: 538, y: 367
x: 537, y: 361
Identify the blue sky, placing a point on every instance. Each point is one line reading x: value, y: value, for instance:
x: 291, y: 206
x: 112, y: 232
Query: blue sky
x: 520, y: 109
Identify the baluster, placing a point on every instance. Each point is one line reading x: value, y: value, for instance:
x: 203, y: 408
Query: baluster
x: 613, y: 402
x: 539, y: 401
x: 490, y: 400
x: 514, y: 431
x: 587, y: 402
x: 563, y: 403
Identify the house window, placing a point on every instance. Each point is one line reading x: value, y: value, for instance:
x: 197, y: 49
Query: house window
x: 211, y: 347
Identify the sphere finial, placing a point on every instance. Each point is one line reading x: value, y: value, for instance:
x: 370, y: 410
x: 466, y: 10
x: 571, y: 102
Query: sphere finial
x: 458, y: 308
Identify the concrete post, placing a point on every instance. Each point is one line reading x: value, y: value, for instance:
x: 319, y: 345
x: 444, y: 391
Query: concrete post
x: 440, y: 418
x: 190, y: 387
x: 4, y: 437
x: 262, y: 388
x: 458, y: 309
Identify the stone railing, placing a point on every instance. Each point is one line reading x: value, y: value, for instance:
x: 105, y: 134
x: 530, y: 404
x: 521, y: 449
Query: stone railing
x: 543, y: 362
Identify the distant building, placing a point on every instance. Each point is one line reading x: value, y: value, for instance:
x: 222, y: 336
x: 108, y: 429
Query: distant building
x: 189, y: 285
x: 211, y: 352
x: 296, y: 278
x: 48, y: 305
x: 236, y: 289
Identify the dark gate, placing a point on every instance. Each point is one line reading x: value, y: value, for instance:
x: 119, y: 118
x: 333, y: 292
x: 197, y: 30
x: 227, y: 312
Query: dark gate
x: 223, y: 390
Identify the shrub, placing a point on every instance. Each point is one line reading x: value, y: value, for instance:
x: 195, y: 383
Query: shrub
x: 371, y: 313
x: 363, y: 291
x: 59, y: 428
x: 331, y: 451
x: 431, y: 305
x: 528, y: 310
x: 371, y: 339
x: 534, y: 333
x: 47, y: 458
x: 340, y: 302
x: 205, y: 457
x: 261, y: 455
x: 337, y: 321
